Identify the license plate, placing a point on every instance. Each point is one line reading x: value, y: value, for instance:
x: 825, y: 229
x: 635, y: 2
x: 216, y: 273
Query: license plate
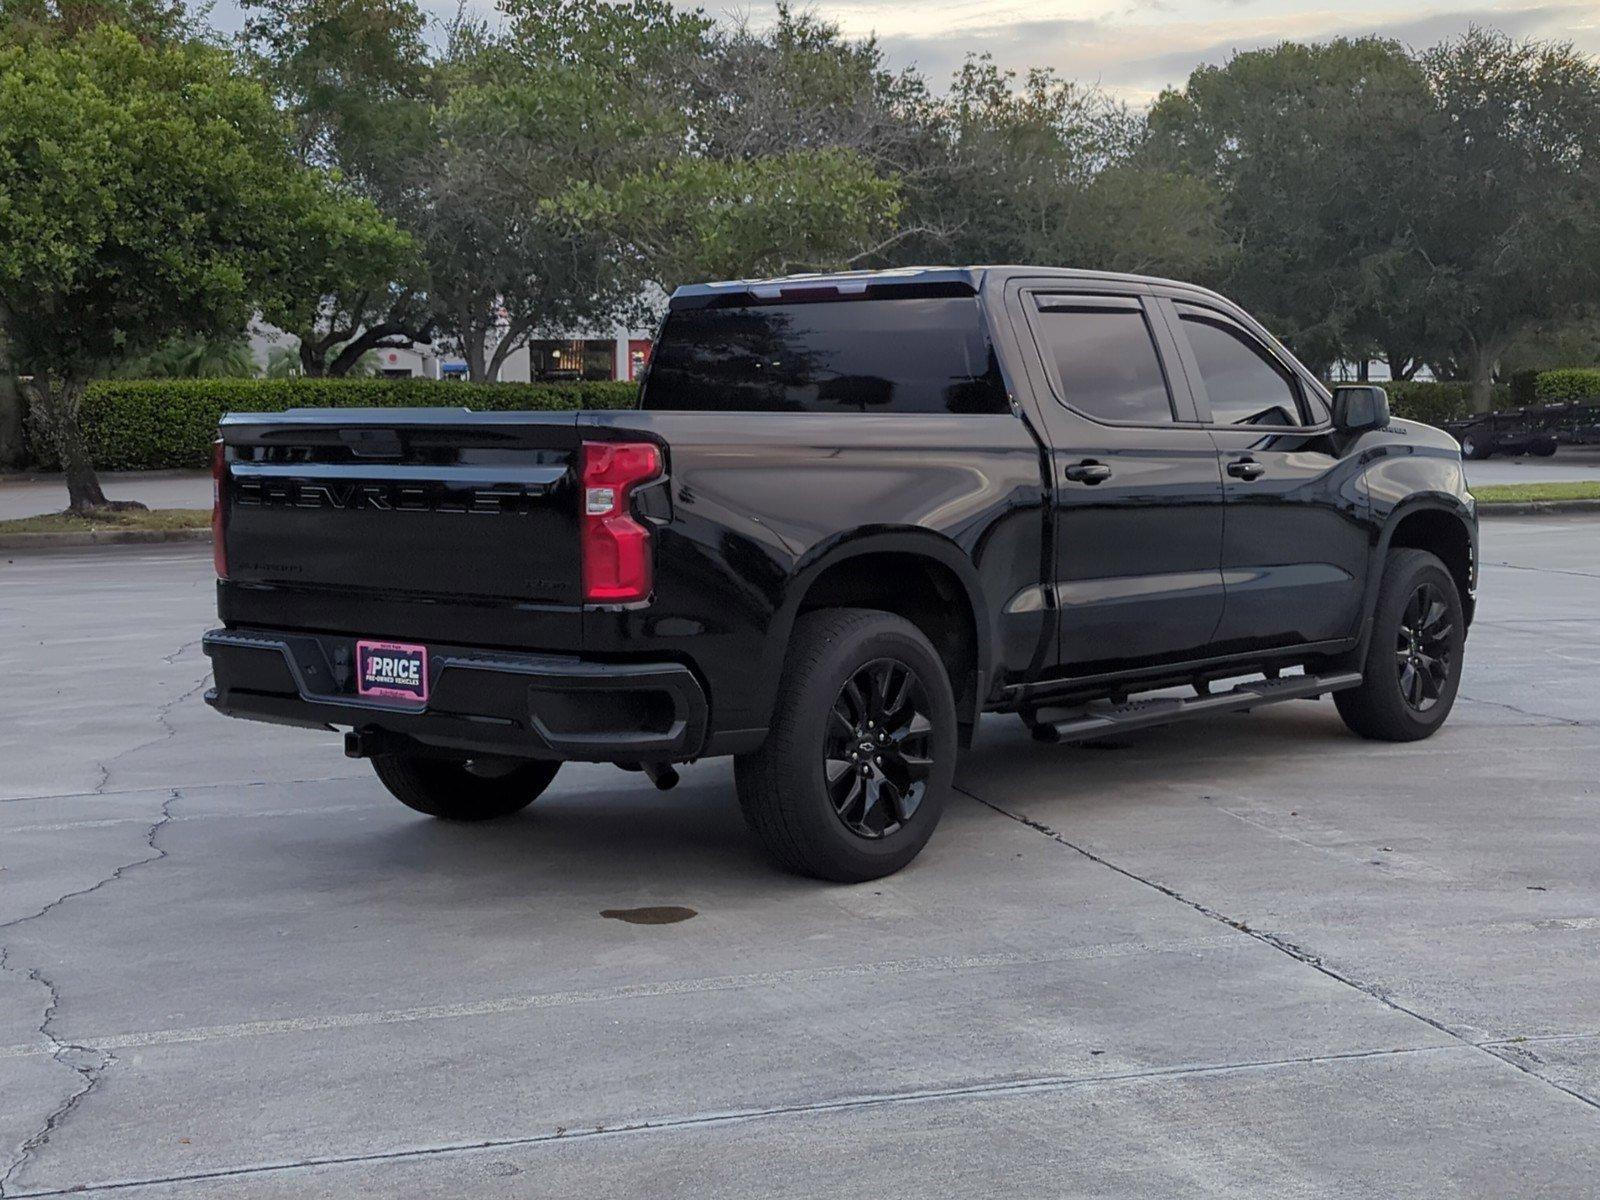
x: 392, y: 670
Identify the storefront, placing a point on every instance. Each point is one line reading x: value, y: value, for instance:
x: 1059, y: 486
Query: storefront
x: 550, y: 360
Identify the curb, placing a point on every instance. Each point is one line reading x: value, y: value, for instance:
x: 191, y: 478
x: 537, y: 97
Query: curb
x: 100, y: 537
x: 1538, y: 508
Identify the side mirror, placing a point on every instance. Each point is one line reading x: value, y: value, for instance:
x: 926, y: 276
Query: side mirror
x: 1358, y: 407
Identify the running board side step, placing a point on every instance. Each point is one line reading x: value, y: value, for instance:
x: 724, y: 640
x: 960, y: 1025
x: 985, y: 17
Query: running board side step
x: 1104, y: 719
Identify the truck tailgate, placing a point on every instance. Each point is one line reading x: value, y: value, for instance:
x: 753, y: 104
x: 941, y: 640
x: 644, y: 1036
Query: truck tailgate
x: 419, y: 503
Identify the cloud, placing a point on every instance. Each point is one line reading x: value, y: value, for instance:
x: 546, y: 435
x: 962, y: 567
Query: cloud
x: 1071, y: 45
x: 1133, y: 47
x: 1138, y: 51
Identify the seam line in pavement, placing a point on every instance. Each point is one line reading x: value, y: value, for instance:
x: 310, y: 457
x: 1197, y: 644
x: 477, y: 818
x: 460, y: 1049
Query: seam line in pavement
x: 1541, y: 570
x: 189, y: 790
x: 1283, y: 946
x: 1523, y: 712
x: 678, y: 987
x: 1000, y: 1088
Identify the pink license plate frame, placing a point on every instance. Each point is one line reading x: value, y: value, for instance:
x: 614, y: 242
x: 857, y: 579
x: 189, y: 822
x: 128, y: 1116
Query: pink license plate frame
x: 392, y: 671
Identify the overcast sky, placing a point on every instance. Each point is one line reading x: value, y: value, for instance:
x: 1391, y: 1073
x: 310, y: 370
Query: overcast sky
x: 1135, y: 47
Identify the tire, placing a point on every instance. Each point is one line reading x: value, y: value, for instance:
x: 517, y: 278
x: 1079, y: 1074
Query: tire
x: 1402, y: 698
x: 1474, y: 449
x: 455, y: 791
x: 873, y: 818
x: 1544, y: 449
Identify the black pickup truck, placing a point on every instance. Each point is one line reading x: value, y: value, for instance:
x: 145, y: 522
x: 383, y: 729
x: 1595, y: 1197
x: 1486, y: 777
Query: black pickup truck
x: 851, y: 514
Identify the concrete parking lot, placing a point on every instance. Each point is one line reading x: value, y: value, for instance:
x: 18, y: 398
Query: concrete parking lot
x: 1254, y: 957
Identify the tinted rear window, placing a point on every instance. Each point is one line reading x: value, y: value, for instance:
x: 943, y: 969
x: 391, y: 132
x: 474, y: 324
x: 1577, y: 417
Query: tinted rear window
x: 921, y: 355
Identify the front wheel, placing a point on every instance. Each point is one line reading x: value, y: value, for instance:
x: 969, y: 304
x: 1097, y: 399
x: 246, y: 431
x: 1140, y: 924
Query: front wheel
x: 473, y: 790
x: 859, y: 760
x: 1413, y: 665
x: 1475, y: 448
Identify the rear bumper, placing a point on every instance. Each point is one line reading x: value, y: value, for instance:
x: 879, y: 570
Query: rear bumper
x: 526, y: 705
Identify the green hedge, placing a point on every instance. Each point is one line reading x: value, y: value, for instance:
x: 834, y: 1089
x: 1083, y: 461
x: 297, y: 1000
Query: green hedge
x: 1431, y: 402
x: 135, y: 425
x: 1569, y: 383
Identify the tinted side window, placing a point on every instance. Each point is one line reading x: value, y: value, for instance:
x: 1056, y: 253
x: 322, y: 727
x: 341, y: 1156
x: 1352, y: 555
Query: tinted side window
x: 1106, y: 363
x: 1244, y: 385
x: 926, y: 354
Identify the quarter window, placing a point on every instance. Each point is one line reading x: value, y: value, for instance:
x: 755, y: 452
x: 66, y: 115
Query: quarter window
x: 1105, y: 362
x: 1245, y: 387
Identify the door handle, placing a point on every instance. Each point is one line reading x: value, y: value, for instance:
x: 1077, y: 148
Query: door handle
x: 1088, y: 471
x: 1246, y: 468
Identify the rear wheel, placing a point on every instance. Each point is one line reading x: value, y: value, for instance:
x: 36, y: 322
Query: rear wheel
x: 1475, y: 448
x: 1413, y: 665
x: 857, y: 766
x: 473, y: 790
x: 1543, y: 449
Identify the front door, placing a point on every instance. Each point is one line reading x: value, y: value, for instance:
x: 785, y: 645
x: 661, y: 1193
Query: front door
x: 1294, y: 551
x: 1137, y: 487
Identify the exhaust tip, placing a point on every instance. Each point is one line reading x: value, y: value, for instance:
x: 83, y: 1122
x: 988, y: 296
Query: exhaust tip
x: 664, y: 775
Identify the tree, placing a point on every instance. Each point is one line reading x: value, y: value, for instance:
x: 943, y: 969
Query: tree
x: 1512, y: 237
x: 578, y: 159
x: 798, y: 87
x: 194, y: 358
x: 781, y: 213
x: 148, y: 20
x: 148, y: 191
x: 1045, y: 172
x: 355, y: 80
x: 1314, y: 151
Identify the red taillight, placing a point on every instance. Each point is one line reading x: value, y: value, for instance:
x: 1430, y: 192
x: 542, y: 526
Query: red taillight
x: 616, y: 548
x: 219, y: 523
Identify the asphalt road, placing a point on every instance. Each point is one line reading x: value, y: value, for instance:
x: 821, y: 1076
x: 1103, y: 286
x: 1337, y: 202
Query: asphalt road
x: 1254, y: 957
x: 35, y: 495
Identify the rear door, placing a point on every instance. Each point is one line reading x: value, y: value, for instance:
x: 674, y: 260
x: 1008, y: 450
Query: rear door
x: 1294, y: 549
x: 1137, y: 485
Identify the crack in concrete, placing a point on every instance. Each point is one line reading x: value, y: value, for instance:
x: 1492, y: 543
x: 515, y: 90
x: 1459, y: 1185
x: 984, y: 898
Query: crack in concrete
x: 68, y: 1053
x: 1017, y: 1086
x: 171, y: 659
x: 168, y: 731
x: 1284, y: 946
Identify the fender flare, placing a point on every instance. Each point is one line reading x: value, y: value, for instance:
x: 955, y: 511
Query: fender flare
x: 911, y: 541
x: 1452, y: 506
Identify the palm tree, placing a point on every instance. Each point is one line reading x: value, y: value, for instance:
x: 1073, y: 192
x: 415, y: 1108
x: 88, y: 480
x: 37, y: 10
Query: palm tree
x: 195, y: 358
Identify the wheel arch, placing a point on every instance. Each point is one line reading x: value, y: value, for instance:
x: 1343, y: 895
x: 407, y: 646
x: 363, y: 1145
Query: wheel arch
x: 915, y: 574
x: 1441, y: 525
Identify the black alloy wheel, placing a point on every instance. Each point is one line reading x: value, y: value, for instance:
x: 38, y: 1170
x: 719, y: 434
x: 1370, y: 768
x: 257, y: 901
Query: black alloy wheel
x: 1414, y: 655
x: 860, y: 753
x: 1424, y: 650
x: 878, y: 754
